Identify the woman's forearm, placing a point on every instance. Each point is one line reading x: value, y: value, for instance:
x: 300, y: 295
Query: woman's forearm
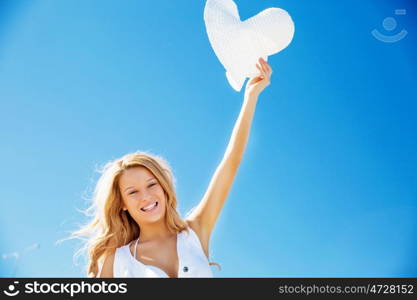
x: 239, y: 138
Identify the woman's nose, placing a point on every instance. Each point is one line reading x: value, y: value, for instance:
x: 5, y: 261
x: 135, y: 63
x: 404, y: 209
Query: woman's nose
x: 145, y: 197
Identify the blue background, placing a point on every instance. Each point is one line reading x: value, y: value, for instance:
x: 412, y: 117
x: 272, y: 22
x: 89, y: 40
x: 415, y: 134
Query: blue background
x: 328, y: 184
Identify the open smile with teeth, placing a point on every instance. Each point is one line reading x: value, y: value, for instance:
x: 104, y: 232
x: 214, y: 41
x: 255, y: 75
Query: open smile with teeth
x: 150, y: 207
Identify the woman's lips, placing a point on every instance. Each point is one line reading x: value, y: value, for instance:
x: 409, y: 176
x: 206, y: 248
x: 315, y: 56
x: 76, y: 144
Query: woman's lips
x: 150, y: 208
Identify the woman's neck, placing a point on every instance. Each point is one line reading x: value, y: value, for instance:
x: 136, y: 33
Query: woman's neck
x: 153, y: 232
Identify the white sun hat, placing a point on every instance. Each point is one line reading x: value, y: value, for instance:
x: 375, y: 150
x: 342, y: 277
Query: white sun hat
x: 239, y: 44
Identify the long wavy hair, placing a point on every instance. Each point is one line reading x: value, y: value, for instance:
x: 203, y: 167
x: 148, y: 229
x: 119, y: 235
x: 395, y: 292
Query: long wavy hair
x: 110, y: 226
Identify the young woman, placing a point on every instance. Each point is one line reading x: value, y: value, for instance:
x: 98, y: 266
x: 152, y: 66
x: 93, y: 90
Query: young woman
x: 136, y: 230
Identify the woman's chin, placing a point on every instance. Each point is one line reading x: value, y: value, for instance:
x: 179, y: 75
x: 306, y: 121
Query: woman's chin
x: 158, y: 217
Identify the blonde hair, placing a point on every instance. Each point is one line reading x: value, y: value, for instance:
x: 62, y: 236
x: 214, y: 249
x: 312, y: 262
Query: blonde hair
x: 112, y: 227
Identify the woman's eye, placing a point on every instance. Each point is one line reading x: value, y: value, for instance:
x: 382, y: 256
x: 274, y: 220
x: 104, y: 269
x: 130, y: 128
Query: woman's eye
x: 152, y: 184
x: 133, y: 192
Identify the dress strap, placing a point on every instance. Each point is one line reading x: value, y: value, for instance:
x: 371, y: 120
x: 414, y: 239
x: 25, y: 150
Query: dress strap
x: 136, y: 245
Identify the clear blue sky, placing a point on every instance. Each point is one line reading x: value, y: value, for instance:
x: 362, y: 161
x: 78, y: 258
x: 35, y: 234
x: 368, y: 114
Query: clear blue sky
x: 328, y: 184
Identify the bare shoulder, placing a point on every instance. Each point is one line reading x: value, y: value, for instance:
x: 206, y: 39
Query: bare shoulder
x: 107, y: 270
x: 204, y: 238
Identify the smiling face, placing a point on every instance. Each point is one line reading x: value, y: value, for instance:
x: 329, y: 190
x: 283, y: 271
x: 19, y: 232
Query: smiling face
x: 142, y: 195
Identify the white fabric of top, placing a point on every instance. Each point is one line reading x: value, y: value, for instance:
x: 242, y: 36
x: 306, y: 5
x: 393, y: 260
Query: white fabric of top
x: 192, y: 260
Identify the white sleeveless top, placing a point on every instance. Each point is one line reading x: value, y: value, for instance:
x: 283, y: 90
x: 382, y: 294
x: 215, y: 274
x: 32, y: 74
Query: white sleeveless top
x: 192, y: 260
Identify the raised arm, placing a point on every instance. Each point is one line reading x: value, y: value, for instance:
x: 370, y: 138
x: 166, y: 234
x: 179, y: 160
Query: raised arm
x: 204, y: 216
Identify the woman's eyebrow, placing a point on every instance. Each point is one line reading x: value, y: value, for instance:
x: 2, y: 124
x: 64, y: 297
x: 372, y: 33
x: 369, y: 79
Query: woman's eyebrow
x: 129, y: 187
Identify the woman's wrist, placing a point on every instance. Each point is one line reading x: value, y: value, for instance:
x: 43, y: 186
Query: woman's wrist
x: 251, y: 97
